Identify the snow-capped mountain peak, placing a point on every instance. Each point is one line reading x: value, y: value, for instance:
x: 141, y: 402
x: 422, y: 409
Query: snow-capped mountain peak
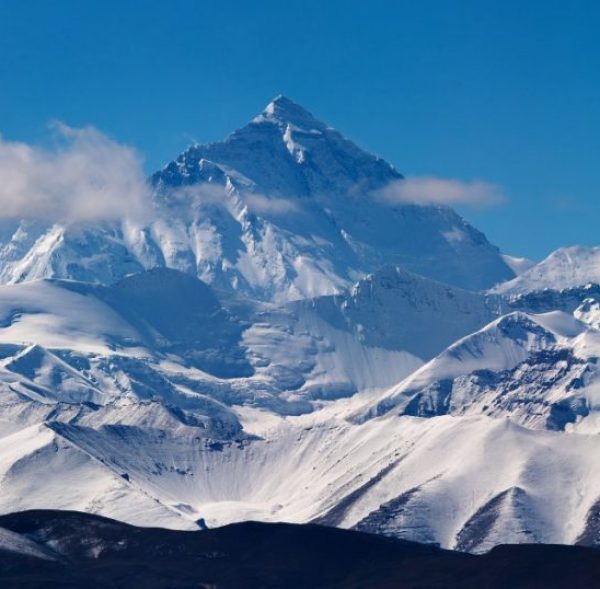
x: 284, y: 111
x: 283, y: 208
x: 564, y: 268
x: 315, y: 224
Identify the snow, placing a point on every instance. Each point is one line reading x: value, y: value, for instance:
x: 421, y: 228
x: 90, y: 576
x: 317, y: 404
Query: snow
x: 13, y: 542
x: 564, y: 268
x: 560, y: 323
x: 518, y: 265
x: 48, y: 314
x: 42, y: 470
x: 454, y: 465
x: 589, y: 312
x: 336, y: 419
x: 164, y: 335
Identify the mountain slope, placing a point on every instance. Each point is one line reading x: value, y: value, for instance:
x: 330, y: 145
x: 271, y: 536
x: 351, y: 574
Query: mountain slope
x: 538, y: 370
x: 407, y: 477
x: 395, y: 309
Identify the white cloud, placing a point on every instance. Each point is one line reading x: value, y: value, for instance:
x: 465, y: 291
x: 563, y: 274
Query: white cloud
x: 85, y: 176
x: 198, y: 196
x: 260, y: 204
x: 427, y: 190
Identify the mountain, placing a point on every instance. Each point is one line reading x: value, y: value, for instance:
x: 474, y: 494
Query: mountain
x: 284, y: 208
x: 395, y: 309
x: 543, y: 301
x: 539, y: 370
x: 470, y: 482
x: 161, y: 401
x: 564, y: 268
x: 279, y: 344
x: 162, y: 338
x: 288, y: 175
x: 76, y: 550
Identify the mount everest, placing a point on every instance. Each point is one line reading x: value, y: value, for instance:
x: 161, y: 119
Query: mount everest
x: 283, y: 209
x: 278, y: 343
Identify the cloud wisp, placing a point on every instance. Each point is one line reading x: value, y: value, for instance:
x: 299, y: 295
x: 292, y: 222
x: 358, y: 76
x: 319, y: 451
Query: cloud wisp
x: 199, y: 196
x: 429, y: 190
x: 85, y: 176
x: 262, y: 205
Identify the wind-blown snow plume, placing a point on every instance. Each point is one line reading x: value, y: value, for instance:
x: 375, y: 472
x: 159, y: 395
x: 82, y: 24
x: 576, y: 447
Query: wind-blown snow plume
x: 86, y: 176
x: 428, y: 190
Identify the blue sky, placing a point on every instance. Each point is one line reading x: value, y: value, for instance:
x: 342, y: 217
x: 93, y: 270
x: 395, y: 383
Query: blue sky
x: 505, y: 92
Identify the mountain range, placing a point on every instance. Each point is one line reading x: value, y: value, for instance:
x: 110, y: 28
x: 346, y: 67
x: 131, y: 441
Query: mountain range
x: 279, y: 342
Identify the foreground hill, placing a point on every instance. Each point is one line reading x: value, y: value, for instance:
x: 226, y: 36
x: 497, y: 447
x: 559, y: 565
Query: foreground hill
x: 42, y: 549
